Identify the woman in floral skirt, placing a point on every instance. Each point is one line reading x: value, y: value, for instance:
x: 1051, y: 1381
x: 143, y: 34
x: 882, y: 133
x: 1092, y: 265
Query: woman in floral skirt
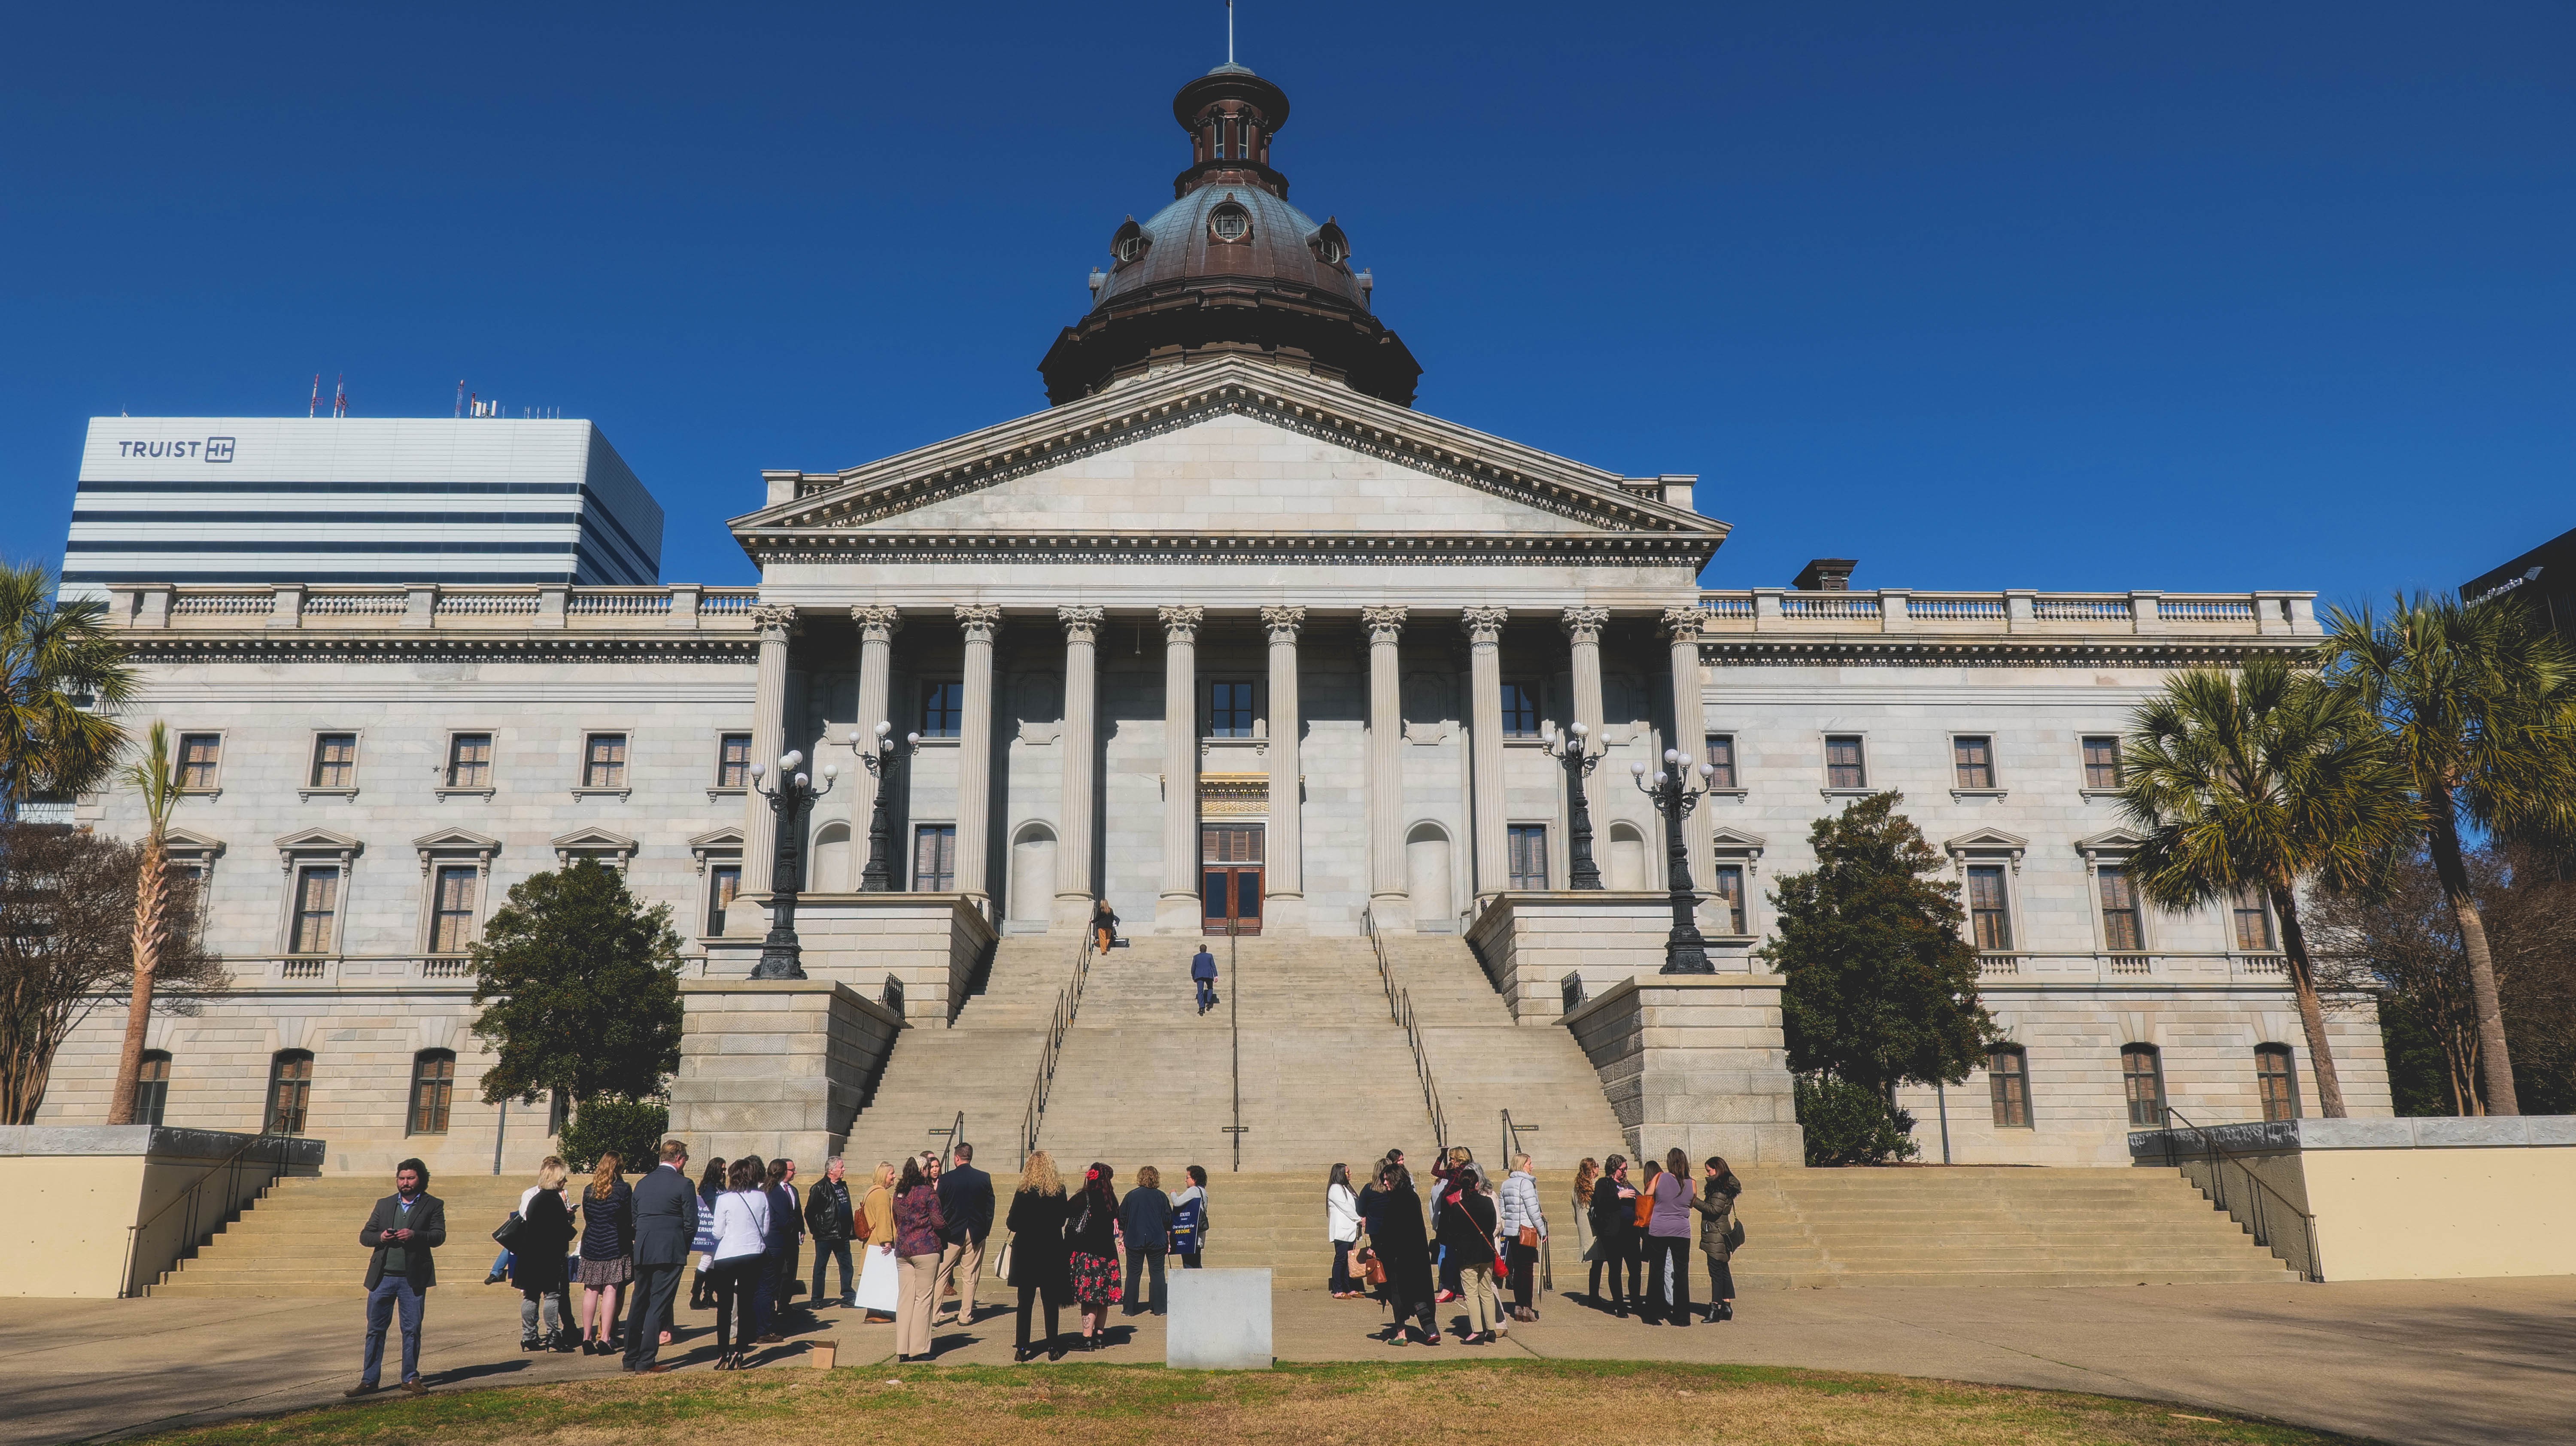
x: 1092, y: 1244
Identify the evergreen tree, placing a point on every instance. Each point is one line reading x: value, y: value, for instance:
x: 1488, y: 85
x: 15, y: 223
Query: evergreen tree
x: 1879, y: 983
x: 580, y: 988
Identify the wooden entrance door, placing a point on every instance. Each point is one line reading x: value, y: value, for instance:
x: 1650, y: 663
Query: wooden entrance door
x: 1230, y: 878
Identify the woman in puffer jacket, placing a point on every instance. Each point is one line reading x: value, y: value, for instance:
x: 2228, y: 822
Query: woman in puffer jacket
x: 1716, y: 1206
x: 1521, y: 1213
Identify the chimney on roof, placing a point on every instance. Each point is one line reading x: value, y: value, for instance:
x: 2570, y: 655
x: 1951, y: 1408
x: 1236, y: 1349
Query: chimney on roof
x: 1826, y: 574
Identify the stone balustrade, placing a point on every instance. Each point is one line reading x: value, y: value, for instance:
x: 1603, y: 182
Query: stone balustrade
x: 431, y: 606
x: 1899, y: 610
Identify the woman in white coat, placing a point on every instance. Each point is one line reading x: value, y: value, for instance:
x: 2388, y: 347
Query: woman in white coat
x: 1342, y: 1227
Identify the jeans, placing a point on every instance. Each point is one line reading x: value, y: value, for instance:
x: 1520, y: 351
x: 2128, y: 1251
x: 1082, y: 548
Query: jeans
x: 500, y: 1267
x: 825, y: 1252
x: 1343, y: 1282
x: 735, y: 1281
x: 1207, y: 994
x: 1668, y: 1293
x: 1138, y: 1299
x: 557, y: 1308
x: 1029, y: 1295
x: 391, y: 1292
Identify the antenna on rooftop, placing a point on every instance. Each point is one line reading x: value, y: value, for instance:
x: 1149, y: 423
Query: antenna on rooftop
x: 313, y: 408
x: 340, y: 395
x: 1229, y: 32
x: 460, y: 396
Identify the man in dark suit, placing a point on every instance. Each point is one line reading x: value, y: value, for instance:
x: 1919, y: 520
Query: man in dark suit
x: 966, y: 1203
x: 770, y: 1296
x: 405, y: 1227
x: 666, y: 1220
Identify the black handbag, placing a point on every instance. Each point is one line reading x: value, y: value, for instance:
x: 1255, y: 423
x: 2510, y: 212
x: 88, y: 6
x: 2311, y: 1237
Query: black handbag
x: 507, y: 1230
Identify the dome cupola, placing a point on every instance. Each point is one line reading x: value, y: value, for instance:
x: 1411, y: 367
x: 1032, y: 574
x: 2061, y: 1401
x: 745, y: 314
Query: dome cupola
x: 1229, y: 268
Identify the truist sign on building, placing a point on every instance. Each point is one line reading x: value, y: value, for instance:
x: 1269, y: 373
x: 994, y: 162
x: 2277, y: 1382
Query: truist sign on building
x: 213, y: 449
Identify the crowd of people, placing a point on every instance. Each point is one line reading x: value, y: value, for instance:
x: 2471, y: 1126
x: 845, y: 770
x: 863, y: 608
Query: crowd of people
x: 919, y: 1231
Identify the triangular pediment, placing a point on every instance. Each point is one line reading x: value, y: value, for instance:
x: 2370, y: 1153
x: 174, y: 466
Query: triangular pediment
x: 318, y: 840
x: 1232, y: 448
x: 728, y: 837
x: 1987, y: 841
x: 1736, y: 840
x: 456, y: 841
x: 592, y: 840
x: 2109, y: 841
x: 190, y: 842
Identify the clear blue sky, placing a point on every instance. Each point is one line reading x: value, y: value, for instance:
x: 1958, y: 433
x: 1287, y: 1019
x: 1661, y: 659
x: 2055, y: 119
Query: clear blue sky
x: 2048, y: 295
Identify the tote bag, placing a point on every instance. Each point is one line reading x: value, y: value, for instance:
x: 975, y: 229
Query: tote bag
x: 879, y: 1286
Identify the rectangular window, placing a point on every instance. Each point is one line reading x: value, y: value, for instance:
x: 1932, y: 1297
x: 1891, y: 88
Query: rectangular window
x: 1974, y: 759
x: 433, y: 1090
x: 1528, y: 855
x: 934, y: 858
x: 2278, y: 1082
x: 152, y: 1087
x: 1730, y: 894
x: 2120, y: 932
x: 1520, y: 710
x: 451, y: 918
x: 733, y: 761
x: 1843, y: 766
x: 469, y: 760
x: 194, y: 877
x: 724, y: 881
x: 603, y: 761
x: 1229, y: 710
x: 2008, y: 1077
x: 943, y: 709
x: 1721, y: 760
x: 290, y: 1091
x: 2101, y: 763
x: 335, y: 760
x: 1989, y: 920
x: 201, y: 755
x: 317, y: 909
x: 2142, y: 1079
x: 2253, y: 917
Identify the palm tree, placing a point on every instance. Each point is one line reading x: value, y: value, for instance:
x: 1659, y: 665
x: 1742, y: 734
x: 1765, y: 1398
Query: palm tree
x: 62, y: 677
x: 2479, y: 705
x: 154, y: 778
x: 2258, y: 779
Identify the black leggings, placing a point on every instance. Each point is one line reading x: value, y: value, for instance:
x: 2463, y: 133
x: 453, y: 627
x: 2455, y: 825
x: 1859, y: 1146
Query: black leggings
x: 1616, y: 1255
x: 1671, y: 1256
x: 1029, y: 1295
x: 1423, y: 1311
x: 1524, y: 1263
x: 734, y: 1281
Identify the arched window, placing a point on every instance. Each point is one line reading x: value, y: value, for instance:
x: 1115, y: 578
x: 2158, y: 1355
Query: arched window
x: 2008, y: 1079
x: 290, y: 1091
x: 2278, y: 1079
x: 152, y: 1087
x: 2142, y: 1080
x: 433, y: 1090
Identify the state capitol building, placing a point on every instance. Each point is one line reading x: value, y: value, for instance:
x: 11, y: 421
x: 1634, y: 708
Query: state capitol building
x: 1228, y: 635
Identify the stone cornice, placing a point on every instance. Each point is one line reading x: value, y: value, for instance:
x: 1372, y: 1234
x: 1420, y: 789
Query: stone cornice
x: 1318, y: 548
x: 2021, y: 651
x: 206, y: 645
x: 859, y: 496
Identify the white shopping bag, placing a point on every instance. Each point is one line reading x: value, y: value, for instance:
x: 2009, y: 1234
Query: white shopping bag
x: 878, y: 1284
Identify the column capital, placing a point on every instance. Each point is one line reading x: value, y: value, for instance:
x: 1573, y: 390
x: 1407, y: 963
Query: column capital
x: 1081, y: 625
x: 774, y: 621
x: 1181, y: 624
x: 877, y: 624
x: 980, y: 620
x: 1283, y: 623
x: 1681, y: 622
x: 1384, y: 624
x: 1484, y: 625
x: 1584, y: 624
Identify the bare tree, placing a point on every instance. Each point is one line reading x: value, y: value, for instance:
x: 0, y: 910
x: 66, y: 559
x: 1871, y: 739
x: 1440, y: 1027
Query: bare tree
x: 67, y: 903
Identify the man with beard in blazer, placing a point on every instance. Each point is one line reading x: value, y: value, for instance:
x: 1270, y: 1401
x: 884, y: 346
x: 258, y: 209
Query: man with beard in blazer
x: 666, y: 1221
x: 406, y: 1226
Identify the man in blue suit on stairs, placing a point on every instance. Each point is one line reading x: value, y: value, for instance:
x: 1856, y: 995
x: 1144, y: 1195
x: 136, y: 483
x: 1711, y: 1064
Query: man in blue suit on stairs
x: 1203, y: 973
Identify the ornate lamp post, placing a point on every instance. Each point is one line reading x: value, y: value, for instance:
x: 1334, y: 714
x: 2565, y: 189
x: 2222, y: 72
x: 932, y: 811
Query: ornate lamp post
x: 1574, y: 748
x: 879, y: 755
x: 1685, y: 952
x: 780, y: 958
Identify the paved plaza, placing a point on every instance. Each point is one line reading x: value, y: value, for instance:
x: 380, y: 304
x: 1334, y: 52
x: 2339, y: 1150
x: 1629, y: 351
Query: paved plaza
x: 2480, y: 1361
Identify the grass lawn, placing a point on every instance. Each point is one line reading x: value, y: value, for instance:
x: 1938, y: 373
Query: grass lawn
x: 1633, y: 1403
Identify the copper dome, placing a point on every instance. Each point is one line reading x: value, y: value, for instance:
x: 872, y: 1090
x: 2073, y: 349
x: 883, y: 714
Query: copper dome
x: 1230, y: 268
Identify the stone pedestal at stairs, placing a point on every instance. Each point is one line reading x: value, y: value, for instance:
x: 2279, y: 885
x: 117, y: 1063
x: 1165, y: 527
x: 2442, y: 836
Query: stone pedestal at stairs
x: 775, y: 1066
x: 1532, y: 942
x: 1696, y: 1061
x: 929, y: 944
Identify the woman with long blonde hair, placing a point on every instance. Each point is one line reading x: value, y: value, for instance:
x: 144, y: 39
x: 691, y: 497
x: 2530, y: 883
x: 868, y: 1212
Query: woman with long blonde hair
x: 607, y: 1254
x: 876, y: 1216
x: 1038, y: 1265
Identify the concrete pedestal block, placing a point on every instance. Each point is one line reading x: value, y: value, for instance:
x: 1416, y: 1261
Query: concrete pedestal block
x: 1695, y: 1061
x: 775, y: 1067
x: 1220, y: 1321
x: 1531, y: 942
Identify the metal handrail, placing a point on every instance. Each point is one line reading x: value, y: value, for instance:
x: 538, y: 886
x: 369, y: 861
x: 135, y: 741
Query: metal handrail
x: 955, y: 1132
x: 1067, y: 1001
x: 1399, y: 1003
x: 2212, y: 1151
x: 1512, y: 1151
x: 190, y: 1196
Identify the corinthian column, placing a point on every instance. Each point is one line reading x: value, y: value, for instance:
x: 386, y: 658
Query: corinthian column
x: 1485, y: 719
x: 1386, y: 765
x: 1177, y: 911
x: 1681, y: 626
x: 1283, y: 873
x: 975, y: 751
x: 774, y: 623
x: 877, y: 627
x: 1583, y: 632
x: 1073, y: 829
